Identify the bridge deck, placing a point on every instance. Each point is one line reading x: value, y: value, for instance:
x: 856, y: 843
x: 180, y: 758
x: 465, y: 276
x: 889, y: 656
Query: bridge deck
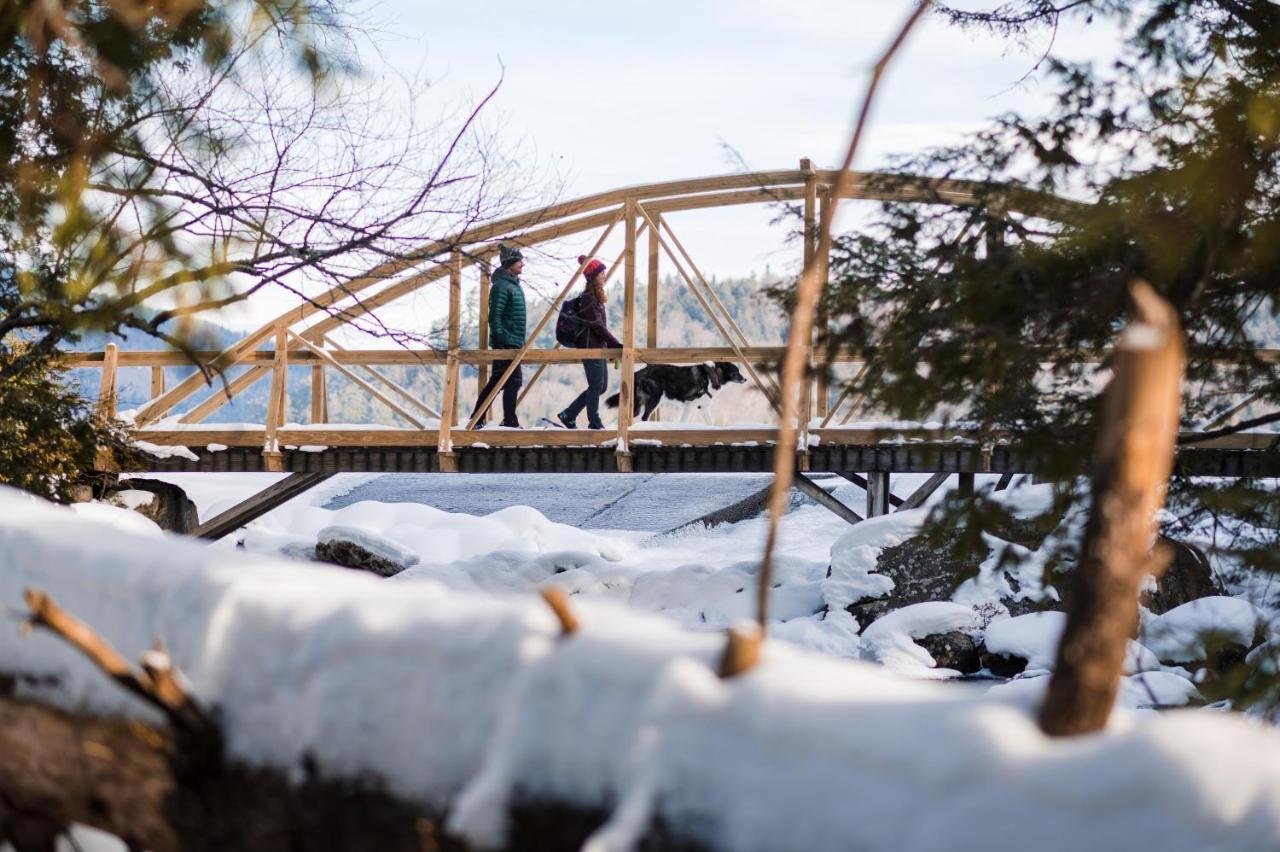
x: 703, y: 457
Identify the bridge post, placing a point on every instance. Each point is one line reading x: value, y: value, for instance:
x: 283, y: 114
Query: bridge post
x: 449, y: 405
x: 108, y: 386
x: 482, y: 369
x: 824, y: 272
x: 626, y: 393
x: 964, y: 485
x: 319, y: 395
x: 877, y: 493
x: 651, y: 318
x: 277, y: 402
x: 157, y: 381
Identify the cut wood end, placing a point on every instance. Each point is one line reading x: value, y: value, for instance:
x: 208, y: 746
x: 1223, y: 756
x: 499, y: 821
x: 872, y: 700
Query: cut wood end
x: 741, y: 651
x: 1150, y: 308
x: 559, y: 603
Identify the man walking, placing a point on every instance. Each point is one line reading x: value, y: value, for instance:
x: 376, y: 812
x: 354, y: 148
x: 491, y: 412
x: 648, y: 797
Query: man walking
x: 506, y: 330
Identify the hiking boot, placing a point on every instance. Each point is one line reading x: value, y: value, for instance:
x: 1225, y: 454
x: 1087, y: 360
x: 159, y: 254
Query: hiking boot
x: 512, y: 424
x: 595, y: 426
x: 565, y: 421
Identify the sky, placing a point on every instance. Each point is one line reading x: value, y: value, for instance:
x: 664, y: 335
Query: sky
x: 604, y: 95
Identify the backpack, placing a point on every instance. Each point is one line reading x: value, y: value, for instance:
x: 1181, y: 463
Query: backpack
x: 569, y: 326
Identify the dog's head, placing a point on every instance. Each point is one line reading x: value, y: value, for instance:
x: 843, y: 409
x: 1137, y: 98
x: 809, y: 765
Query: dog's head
x: 726, y: 372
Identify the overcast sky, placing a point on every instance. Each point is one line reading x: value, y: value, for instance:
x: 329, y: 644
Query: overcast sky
x: 612, y: 94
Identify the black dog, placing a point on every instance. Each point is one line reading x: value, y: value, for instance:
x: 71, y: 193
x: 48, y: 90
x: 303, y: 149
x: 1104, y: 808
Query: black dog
x: 680, y: 384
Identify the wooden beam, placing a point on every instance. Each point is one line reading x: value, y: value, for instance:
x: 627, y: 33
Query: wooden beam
x: 377, y: 394
x: 626, y: 393
x: 877, y: 493
x: 482, y: 372
x: 862, y: 482
x: 276, y: 401
x: 221, y: 396
x: 338, y: 354
x: 319, y: 395
x: 824, y: 498
x: 455, y: 337
x: 924, y: 492
x: 108, y: 386
x: 823, y: 320
x: 157, y: 381
x: 247, y: 511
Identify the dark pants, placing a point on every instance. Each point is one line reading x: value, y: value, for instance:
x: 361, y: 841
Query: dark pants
x: 510, y: 391
x: 597, y: 382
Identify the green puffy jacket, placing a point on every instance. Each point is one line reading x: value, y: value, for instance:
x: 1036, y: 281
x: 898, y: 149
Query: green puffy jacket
x: 506, y: 311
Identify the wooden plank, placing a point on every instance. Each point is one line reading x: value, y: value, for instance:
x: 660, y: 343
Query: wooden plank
x: 653, y: 304
x: 924, y: 492
x: 264, y: 501
x: 275, y: 402
x: 448, y: 407
x: 157, y: 381
x: 823, y: 320
x: 878, y: 492
x: 108, y: 387
x: 455, y: 339
x: 824, y: 498
x: 379, y: 377
x: 319, y: 394
x: 862, y: 482
x: 626, y: 393
x: 482, y: 373
x: 221, y: 396
x: 377, y: 394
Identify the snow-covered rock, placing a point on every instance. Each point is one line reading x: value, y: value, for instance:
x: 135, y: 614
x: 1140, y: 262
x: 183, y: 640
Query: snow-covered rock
x: 1198, y: 629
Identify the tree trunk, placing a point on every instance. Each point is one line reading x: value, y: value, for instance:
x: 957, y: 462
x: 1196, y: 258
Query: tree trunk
x: 1134, y: 458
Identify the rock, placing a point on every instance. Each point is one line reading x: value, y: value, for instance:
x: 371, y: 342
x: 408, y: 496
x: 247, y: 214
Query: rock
x: 1188, y: 578
x: 921, y: 572
x: 348, y: 554
x: 953, y: 650
x: 1001, y: 665
x: 162, y: 502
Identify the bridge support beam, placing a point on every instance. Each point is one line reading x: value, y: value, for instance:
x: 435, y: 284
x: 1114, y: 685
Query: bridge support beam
x: 247, y: 511
x: 824, y: 498
x: 877, y: 493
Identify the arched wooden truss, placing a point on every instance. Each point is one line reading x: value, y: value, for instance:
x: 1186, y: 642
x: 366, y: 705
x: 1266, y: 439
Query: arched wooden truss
x: 301, y: 337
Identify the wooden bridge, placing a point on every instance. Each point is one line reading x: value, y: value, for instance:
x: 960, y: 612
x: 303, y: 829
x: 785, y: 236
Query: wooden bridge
x: 435, y: 438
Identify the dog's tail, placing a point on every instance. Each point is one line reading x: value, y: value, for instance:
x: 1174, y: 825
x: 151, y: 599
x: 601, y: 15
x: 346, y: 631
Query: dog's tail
x: 612, y: 402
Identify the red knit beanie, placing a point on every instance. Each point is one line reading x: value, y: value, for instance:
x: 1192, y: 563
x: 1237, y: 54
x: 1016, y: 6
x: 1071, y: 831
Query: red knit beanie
x: 594, y: 268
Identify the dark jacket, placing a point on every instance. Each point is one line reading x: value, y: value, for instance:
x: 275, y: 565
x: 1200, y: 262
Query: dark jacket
x: 506, y: 311
x: 595, y: 324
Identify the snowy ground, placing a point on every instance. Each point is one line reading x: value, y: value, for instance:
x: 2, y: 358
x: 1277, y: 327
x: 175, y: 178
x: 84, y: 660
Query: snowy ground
x: 465, y: 701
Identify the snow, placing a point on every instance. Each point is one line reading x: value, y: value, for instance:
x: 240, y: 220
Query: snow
x: 1033, y: 637
x: 1186, y: 633
x: 117, y: 518
x: 133, y: 499
x: 888, y: 639
x: 854, y: 555
x: 465, y: 702
x: 165, y: 452
x: 378, y: 545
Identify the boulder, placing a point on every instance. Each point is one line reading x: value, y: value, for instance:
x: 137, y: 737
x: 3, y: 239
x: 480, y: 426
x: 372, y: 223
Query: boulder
x: 352, y: 547
x: 921, y: 571
x: 163, y: 502
x: 954, y: 649
x: 1188, y: 578
x: 348, y: 554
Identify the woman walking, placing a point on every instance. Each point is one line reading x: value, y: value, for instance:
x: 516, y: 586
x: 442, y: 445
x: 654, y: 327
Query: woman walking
x: 595, y: 334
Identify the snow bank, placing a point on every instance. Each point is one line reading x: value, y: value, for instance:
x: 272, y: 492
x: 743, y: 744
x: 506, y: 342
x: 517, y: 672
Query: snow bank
x: 1034, y: 637
x: 467, y: 702
x: 888, y: 639
x: 1186, y: 633
x: 435, y: 537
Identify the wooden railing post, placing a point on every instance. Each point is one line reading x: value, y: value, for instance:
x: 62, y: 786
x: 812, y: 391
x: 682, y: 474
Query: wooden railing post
x: 455, y: 325
x: 823, y: 320
x: 482, y: 370
x: 108, y: 387
x: 276, y: 402
x: 626, y: 393
x: 319, y: 395
x: 651, y: 318
x: 157, y: 381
